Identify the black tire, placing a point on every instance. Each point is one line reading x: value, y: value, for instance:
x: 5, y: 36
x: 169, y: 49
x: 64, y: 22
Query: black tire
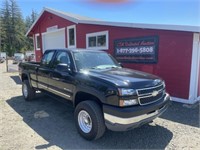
x: 96, y: 115
x: 30, y: 91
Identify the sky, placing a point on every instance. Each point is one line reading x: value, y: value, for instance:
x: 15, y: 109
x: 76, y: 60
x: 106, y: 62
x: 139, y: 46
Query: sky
x: 174, y: 12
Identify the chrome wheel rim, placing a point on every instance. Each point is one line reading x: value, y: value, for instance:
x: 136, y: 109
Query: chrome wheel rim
x: 84, y: 121
x: 25, y: 90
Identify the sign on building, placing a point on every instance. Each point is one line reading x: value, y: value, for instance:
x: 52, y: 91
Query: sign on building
x: 137, y: 50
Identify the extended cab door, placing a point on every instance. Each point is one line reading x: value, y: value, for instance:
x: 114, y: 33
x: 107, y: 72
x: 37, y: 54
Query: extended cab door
x: 44, y: 70
x: 61, y: 83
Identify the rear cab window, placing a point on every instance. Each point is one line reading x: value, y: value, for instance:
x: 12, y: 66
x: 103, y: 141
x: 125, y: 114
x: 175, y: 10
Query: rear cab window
x: 47, y: 58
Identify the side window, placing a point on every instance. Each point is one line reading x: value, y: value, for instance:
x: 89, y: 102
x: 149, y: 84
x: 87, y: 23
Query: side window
x: 47, y: 58
x: 97, y: 40
x: 62, y: 58
x: 37, y: 39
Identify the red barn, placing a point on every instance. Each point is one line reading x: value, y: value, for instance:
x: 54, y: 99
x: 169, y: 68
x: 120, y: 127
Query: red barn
x: 169, y: 51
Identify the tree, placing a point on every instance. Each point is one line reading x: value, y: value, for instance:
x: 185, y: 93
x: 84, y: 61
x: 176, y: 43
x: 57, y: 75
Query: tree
x: 17, y: 28
x: 5, y: 27
x: 29, y: 21
x: 13, y: 28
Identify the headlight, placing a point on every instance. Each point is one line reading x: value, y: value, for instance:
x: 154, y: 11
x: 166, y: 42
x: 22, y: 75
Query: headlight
x: 128, y: 102
x: 126, y: 92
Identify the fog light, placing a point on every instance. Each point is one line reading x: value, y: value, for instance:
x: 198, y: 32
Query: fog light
x: 128, y: 102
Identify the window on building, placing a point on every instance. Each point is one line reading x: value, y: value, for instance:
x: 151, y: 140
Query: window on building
x: 92, y: 41
x: 97, y: 40
x: 37, y: 38
x: 71, y: 36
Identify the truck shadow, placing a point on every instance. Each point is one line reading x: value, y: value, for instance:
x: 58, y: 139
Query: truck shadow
x: 16, y: 79
x: 54, y: 122
x: 184, y: 114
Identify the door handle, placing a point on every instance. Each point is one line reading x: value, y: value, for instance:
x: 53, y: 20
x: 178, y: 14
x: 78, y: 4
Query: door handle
x: 54, y: 78
x: 57, y: 79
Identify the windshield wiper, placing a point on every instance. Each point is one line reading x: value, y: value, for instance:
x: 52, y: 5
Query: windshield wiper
x: 104, y: 67
x: 112, y: 67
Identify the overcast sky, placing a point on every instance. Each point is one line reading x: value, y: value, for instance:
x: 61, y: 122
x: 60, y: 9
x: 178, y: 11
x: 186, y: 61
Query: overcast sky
x: 179, y: 12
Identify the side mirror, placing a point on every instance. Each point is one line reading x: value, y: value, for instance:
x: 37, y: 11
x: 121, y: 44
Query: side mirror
x: 121, y: 64
x: 63, y: 68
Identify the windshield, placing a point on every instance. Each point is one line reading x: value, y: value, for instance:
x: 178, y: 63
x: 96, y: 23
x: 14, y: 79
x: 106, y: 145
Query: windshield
x: 94, y: 60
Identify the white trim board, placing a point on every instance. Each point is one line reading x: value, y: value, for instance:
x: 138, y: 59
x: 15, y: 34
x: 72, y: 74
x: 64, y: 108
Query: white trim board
x: 34, y: 47
x: 36, y: 41
x: 52, y: 28
x: 181, y: 100
x: 194, y: 75
x: 53, y: 31
x: 198, y: 98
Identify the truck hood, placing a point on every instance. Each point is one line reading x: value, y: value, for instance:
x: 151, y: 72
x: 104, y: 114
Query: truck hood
x: 123, y: 77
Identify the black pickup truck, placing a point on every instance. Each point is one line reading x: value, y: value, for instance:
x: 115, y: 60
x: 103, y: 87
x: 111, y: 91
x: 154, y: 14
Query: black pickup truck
x: 104, y: 94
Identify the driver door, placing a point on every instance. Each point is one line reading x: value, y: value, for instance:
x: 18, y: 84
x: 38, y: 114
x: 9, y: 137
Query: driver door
x: 61, y: 83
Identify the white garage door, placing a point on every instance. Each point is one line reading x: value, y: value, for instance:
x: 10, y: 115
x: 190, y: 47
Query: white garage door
x: 52, y: 40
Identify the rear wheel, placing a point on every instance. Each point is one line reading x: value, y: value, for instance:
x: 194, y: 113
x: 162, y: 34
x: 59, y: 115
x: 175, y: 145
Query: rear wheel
x: 27, y: 91
x: 89, y: 120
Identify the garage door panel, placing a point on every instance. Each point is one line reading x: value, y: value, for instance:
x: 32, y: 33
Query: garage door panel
x: 54, y: 40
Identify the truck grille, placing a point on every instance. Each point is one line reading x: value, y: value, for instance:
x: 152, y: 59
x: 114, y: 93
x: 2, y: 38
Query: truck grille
x: 150, y: 95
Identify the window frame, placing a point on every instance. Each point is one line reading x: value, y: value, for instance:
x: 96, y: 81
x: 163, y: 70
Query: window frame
x: 36, y: 41
x: 34, y: 47
x: 52, y: 28
x: 68, y: 40
x: 96, y: 34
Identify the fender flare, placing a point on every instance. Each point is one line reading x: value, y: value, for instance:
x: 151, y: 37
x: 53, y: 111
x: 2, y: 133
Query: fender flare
x: 28, y: 76
x: 90, y: 91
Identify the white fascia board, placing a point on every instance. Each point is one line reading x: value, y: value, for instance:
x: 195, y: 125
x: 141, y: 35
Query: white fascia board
x: 55, y: 13
x: 145, y: 26
x: 63, y: 15
x: 34, y: 22
x: 195, y: 29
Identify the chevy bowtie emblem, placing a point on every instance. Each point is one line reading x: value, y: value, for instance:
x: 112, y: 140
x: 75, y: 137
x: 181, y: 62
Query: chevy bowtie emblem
x: 155, y: 93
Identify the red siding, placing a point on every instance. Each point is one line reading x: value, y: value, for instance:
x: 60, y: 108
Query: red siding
x: 45, y: 21
x: 174, y: 54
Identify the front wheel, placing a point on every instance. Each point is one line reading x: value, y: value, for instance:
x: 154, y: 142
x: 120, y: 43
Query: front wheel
x: 27, y: 91
x: 89, y: 120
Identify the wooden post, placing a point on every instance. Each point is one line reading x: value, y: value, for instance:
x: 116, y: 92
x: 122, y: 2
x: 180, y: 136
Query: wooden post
x: 6, y: 62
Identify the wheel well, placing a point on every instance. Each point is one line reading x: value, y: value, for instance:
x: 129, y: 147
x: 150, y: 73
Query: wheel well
x: 82, y: 96
x: 24, y: 77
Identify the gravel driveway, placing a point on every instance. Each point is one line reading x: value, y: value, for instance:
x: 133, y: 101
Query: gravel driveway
x: 48, y: 124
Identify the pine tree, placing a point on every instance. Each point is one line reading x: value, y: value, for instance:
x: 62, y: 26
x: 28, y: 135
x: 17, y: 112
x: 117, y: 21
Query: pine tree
x: 17, y: 28
x: 13, y: 28
x: 5, y: 27
x: 29, y: 21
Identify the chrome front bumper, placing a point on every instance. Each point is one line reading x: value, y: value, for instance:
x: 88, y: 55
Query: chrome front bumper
x: 122, y: 124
